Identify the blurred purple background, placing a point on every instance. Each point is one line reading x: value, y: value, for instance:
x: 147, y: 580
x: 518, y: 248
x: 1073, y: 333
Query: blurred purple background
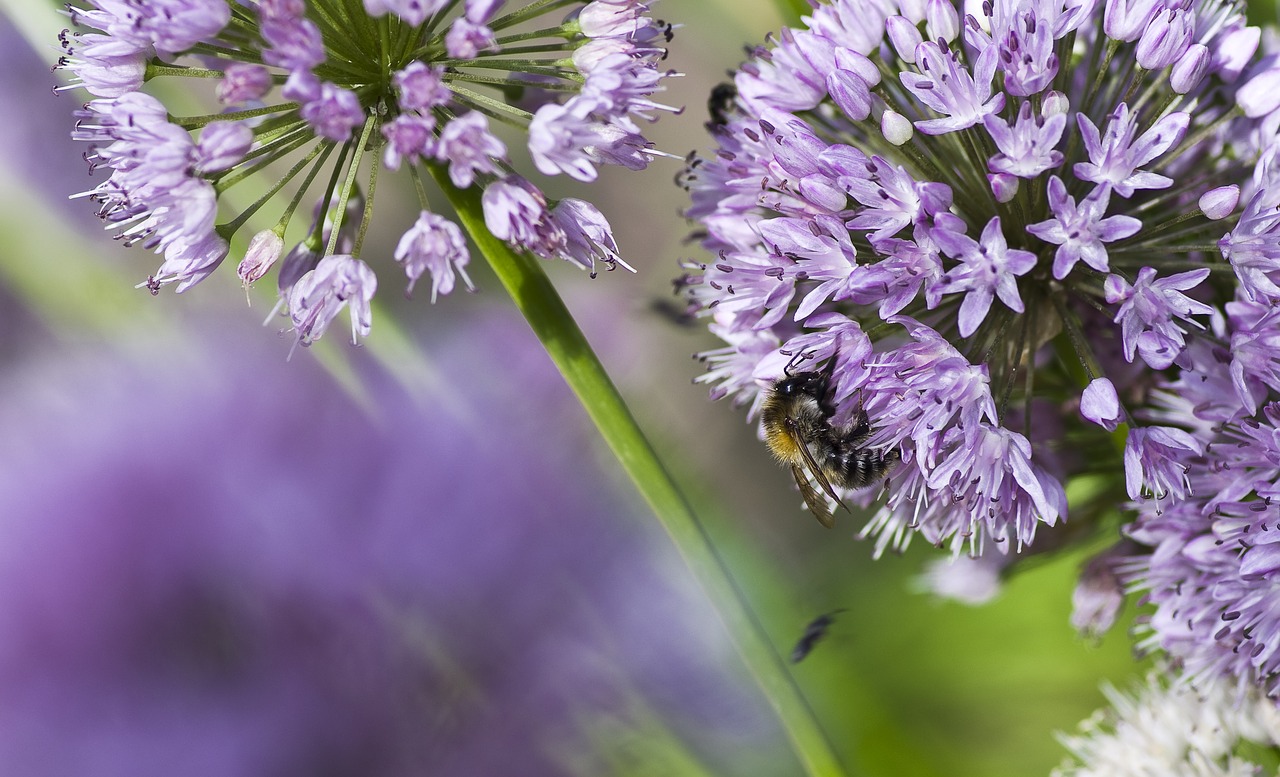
x: 213, y: 563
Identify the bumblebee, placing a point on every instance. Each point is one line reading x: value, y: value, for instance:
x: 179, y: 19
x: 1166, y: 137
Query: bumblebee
x: 720, y: 103
x: 798, y: 430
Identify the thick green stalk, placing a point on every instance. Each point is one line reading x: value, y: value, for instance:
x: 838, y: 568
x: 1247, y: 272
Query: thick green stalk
x: 537, y: 299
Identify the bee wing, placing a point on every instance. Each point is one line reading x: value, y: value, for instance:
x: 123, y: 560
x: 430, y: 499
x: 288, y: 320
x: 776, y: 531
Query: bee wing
x: 812, y: 497
x: 810, y: 464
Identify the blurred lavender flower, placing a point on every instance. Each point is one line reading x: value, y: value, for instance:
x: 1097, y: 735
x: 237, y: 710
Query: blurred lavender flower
x: 200, y: 579
x: 405, y: 81
x: 971, y: 581
x: 971, y: 212
x: 1166, y: 728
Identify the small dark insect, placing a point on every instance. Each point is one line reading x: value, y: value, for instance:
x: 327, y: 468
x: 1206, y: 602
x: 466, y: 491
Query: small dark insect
x: 680, y: 315
x: 720, y: 102
x: 813, y: 633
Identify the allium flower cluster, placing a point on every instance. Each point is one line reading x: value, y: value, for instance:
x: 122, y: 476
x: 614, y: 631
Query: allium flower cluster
x: 416, y: 84
x: 1170, y: 728
x: 997, y: 226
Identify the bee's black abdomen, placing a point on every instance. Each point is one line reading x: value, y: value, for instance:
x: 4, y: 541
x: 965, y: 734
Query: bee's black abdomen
x: 859, y: 467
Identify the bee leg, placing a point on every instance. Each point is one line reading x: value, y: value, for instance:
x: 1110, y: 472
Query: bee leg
x: 861, y: 428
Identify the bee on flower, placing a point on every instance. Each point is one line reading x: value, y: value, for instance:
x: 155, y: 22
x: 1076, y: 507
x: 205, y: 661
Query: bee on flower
x: 1030, y: 241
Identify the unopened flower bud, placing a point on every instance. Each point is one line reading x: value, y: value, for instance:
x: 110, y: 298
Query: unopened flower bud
x: 1125, y: 20
x: 913, y: 10
x: 1003, y: 186
x: 264, y: 249
x: 896, y: 128
x: 943, y: 21
x: 1261, y: 95
x: 1220, y: 202
x: 1055, y: 102
x: 1165, y: 39
x: 904, y: 36
x: 850, y: 93
x: 1189, y: 70
x: 1234, y: 51
x: 1100, y: 404
x: 847, y: 59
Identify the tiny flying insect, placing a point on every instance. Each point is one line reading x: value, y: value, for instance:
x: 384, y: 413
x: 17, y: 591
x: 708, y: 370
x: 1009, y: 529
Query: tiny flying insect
x: 813, y: 633
x: 798, y: 430
x: 720, y: 102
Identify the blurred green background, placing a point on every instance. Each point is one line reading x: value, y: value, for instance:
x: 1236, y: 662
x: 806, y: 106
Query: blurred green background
x: 905, y: 684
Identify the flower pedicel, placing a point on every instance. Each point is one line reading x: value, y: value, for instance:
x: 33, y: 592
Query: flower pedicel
x: 1028, y: 240
x: 416, y: 82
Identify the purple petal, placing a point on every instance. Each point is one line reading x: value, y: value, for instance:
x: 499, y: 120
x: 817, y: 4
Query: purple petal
x: 1117, y: 228
x: 973, y: 310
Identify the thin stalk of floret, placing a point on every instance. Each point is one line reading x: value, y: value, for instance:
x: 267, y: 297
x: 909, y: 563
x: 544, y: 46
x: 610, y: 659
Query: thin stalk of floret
x: 533, y: 9
x: 370, y: 125
x: 319, y: 150
x: 489, y: 106
x: 1191, y: 141
x: 265, y: 155
x: 196, y: 122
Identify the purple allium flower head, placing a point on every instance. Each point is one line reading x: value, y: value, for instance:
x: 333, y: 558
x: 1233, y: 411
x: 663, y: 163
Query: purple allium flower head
x: 1088, y: 164
x: 315, y: 89
x: 1207, y: 564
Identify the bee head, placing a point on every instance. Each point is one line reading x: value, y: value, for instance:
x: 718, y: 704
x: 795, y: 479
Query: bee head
x: 804, y: 384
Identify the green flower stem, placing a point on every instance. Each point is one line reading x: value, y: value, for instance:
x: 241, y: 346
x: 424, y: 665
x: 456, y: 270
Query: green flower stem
x: 537, y: 299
